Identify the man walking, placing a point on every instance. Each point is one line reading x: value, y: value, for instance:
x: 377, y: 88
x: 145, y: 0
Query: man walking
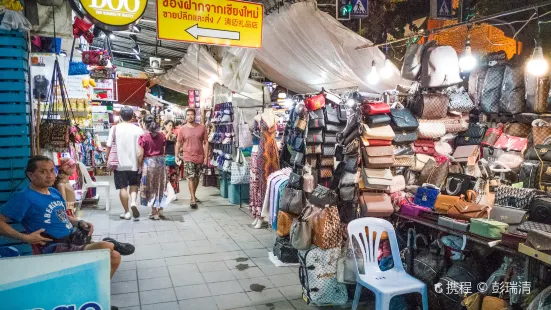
x: 192, y: 140
x: 126, y: 174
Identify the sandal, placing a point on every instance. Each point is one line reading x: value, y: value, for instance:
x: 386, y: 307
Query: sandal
x: 122, y: 248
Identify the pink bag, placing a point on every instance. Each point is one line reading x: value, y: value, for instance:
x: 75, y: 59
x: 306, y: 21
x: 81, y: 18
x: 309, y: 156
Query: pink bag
x: 398, y: 184
x: 113, y: 160
x: 411, y: 209
x: 511, y: 143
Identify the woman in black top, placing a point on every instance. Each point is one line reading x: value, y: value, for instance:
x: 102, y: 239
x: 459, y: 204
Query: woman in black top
x: 172, y: 168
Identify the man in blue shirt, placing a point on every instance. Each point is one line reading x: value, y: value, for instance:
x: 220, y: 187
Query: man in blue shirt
x: 41, y: 210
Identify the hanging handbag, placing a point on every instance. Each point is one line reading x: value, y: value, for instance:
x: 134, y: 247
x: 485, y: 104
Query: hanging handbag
x: 76, y: 67
x: 403, y: 119
x: 297, y: 158
x: 313, y: 149
x: 380, y: 133
x: 431, y: 106
x: 314, y: 103
x: 329, y: 138
x: 316, y: 119
x: 487, y: 228
x: 295, y: 181
x: 322, y: 196
x: 473, y: 135
x: 328, y: 161
x: 424, y: 147
x: 245, y: 137
x: 375, y: 205
x: 426, y: 196
x: 240, y: 169
x: 112, y: 159
x: 404, y: 137
x: 377, y: 120
x: 326, y: 173
x: 460, y: 101
x: 511, y: 143
x: 458, y: 184
x: 314, y: 137
x: 411, y: 67
x: 291, y: 201
x: 375, y: 108
x: 537, y: 92
x: 519, y: 198
x: 334, y: 128
x: 513, y: 92
x: 284, y: 222
x: 462, y: 153
x: 348, y: 179
x: 463, y: 210
x: 529, y: 171
x: 331, y: 115
x: 342, y: 114
x: 518, y: 129
x: 541, y: 130
x: 301, y: 230
x: 328, y: 150
x: 326, y: 228
x: 352, y: 129
x: 351, y: 164
x: 300, y: 124
x: 347, y: 193
x: 351, y: 148
x: 331, y: 97
x: 431, y: 130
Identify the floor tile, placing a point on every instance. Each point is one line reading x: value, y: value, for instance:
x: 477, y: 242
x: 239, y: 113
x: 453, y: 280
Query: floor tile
x: 155, y: 283
x: 233, y: 301
x: 224, y: 288
x: 162, y: 306
x: 192, y: 291
x: 206, y: 303
x: 218, y: 276
x: 179, y: 260
x: 156, y: 272
x: 125, y: 300
x: 251, y: 245
x: 280, y: 305
x: 124, y: 275
x: 187, y: 278
x: 284, y: 279
x: 124, y: 287
x: 274, y: 270
x: 255, y: 282
x: 238, y: 264
x: 262, y: 261
x: 251, y: 272
x: 152, y: 263
x: 266, y: 296
x: 256, y: 252
x: 212, y: 266
x: 291, y: 291
x: 157, y: 296
x: 127, y: 266
x: 130, y: 308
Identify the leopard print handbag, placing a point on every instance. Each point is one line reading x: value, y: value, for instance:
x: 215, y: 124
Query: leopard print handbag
x: 326, y: 230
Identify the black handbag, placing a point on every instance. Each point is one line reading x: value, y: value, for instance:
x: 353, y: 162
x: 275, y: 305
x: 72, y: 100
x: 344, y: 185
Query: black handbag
x: 322, y: 196
x: 297, y: 159
x: 377, y: 120
x: 316, y: 119
x: 403, y: 119
x: 529, y: 172
x: 291, y: 201
x: 334, y: 128
x: 472, y: 136
x: 314, y: 137
x: 540, y: 210
x: 298, y: 142
x: 347, y: 211
x: 458, y: 184
x: 328, y: 150
x: 342, y: 115
x: 339, y: 154
x: 540, y: 152
x: 351, y: 164
x: 513, y: 92
x: 347, y: 193
x: 284, y: 251
x: 329, y: 138
x: 331, y: 115
x: 295, y: 181
x: 352, y: 129
x: 404, y: 137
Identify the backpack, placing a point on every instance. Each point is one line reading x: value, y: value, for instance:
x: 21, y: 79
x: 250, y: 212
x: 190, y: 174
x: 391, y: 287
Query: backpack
x: 318, y: 277
x: 512, y: 91
x: 439, y: 67
x: 491, y: 89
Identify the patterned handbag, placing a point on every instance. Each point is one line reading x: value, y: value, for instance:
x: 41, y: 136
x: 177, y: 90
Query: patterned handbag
x: 431, y: 130
x: 460, y: 101
x: 519, y: 198
x: 540, y: 131
x: 491, y: 136
x: 329, y: 138
x: 314, y: 137
x: 326, y: 230
x: 313, y: 149
x: 473, y: 135
x: 328, y: 150
x: 284, y: 222
x: 453, y: 123
x: 424, y: 147
x: 518, y: 129
x: 312, y: 160
x: 491, y: 93
x: 331, y: 115
x: 403, y: 119
x: 511, y: 143
x: 404, y: 137
x: 528, y: 226
x: 431, y: 106
x: 327, y: 161
x: 326, y: 173
x: 537, y: 92
x: 403, y: 161
x: 316, y: 119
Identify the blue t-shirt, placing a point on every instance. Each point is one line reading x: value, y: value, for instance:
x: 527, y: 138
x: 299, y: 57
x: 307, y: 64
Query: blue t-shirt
x: 35, y: 211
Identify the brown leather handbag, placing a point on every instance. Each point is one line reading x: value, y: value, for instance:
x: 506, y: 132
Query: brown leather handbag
x: 284, y: 222
x: 379, y: 156
x: 431, y: 106
x: 463, y: 210
x: 518, y: 129
x: 326, y: 228
x: 444, y: 203
x: 434, y: 173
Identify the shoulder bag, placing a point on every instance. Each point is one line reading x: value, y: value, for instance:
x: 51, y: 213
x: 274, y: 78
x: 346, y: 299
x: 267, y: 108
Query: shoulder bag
x: 511, y: 143
x: 375, y: 205
x: 519, y: 198
x: 326, y: 228
x: 458, y: 184
x: 375, y: 108
x: 322, y: 196
x: 431, y: 106
x: 420, y: 161
x: 314, y: 103
x: 284, y: 222
x: 462, y: 153
x: 377, y: 120
x: 245, y: 137
x: 424, y: 147
x: 539, y: 152
x: 540, y: 131
x: 331, y: 115
x: 403, y: 119
x: 291, y: 201
x: 431, y: 130
x: 240, y: 169
x: 444, y: 202
x: 460, y: 101
x: 316, y: 119
x: 380, y: 133
x: 512, y: 217
x: 411, y: 68
x: 314, y: 137
x: 463, y: 210
x: 473, y: 135
x: 113, y: 161
x: 301, y: 230
x: 426, y: 196
x: 404, y: 137
x: 434, y: 173
x: 518, y: 129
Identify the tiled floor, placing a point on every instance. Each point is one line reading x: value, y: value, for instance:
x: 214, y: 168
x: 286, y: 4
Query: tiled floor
x: 190, y: 261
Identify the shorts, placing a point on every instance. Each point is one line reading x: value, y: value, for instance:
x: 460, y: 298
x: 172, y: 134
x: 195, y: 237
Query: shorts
x: 62, y: 248
x: 123, y: 179
x: 192, y: 170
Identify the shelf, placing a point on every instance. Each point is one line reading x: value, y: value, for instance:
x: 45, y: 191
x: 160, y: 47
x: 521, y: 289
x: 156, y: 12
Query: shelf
x: 541, y: 256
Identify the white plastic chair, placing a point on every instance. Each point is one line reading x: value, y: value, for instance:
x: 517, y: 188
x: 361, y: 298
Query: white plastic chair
x: 87, y: 183
x: 384, y: 284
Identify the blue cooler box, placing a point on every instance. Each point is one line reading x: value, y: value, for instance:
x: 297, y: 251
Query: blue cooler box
x: 234, y: 191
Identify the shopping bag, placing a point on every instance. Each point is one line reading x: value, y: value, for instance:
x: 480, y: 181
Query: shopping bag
x: 240, y: 170
x: 245, y: 138
x: 169, y: 193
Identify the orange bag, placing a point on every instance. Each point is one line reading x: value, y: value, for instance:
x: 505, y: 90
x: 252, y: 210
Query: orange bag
x: 284, y: 222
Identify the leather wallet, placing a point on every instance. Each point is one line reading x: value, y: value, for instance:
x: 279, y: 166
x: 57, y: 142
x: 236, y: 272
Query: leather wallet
x: 444, y: 203
x: 511, y: 216
x: 377, y: 120
x: 462, y: 153
x: 381, y: 133
x: 375, y: 142
x: 424, y: 147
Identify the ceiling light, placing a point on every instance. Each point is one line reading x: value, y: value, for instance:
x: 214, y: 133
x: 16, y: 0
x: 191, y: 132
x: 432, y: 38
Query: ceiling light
x: 373, y: 77
x: 282, y: 95
x: 386, y: 71
x: 467, y: 62
x: 537, y: 65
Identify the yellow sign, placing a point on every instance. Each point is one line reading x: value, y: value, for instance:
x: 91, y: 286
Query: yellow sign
x: 116, y: 13
x: 218, y: 22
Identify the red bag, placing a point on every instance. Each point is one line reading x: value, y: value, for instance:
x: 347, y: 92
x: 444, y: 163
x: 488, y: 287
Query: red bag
x: 315, y: 102
x: 374, y: 108
x: 424, y: 147
x: 511, y: 143
x: 377, y: 142
x: 492, y: 135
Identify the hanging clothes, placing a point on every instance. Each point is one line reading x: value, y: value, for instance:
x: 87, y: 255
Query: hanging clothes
x: 270, y: 206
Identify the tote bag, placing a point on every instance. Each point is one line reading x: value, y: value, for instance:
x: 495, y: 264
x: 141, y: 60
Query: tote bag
x: 240, y: 171
x: 113, y: 160
x: 245, y: 138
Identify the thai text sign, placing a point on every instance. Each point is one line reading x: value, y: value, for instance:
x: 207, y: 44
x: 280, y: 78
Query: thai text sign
x: 114, y: 12
x: 218, y: 22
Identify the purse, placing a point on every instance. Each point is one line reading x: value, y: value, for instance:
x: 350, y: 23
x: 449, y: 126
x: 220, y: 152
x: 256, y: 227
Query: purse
x: 424, y: 147
x: 326, y: 173
x: 512, y: 217
x: 539, y: 240
x: 351, y: 164
x: 295, y: 181
x: 334, y: 128
x: 326, y: 228
x: 462, y: 153
x: 473, y: 135
x: 284, y: 222
x: 314, y: 137
x: 426, y: 196
x: 398, y: 184
x: 459, y: 225
x: 300, y: 124
x: 403, y: 119
x: 518, y: 129
x: 291, y: 201
x: 240, y: 169
x: 528, y: 226
x: 375, y: 205
x: 331, y: 115
x: 463, y: 210
x: 376, y: 177
x: 297, y: 158
x: 403, y: 161
x: 375, y: 108
x: 381, y: 133
x: 316, y: 119
x: 540, y: 210
x: 328, y: 161
x: 378, y: 156
x: 377, y: 120
x: 444, y: 202
x: 491, y: 136
x: 513, y: 239
x: 539, y: 152
x: 411, y: 68
x: 314, y: 103
x: 452, y: 123
x: 458, y: 184
x: 329, y: 138
x: 529, y: 171
x: 487, y: 228
x: 376, y: 142
x: 511, y: 143
x: 342, y: 114
x: 431, y: 106
x: 404, y: 137
x: 411, y: 209
x: 541, y: 130
x: 322, y: 196
x: 328, y: 150
x: 313, y: 149
x: 519, y: 198
x: 347, y: 193
x: 431, y: 130
x: 301, y: 230
x: 460, y: 102
x: 351, y: 148
x: 434, y: 173
x: 348, y: 179
x: 420, y: 161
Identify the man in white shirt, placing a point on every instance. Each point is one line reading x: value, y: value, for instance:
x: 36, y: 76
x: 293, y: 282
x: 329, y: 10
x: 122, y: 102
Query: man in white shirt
x: 126, y: 174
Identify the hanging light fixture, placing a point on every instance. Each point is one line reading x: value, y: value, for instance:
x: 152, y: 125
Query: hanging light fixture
x: 537, y: 65
x: 467, y: 62
x: 373, y: 77
x: 386, y: 71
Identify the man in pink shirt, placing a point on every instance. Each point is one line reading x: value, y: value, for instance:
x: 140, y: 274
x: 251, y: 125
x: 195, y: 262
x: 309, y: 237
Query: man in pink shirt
x: 192, y: 141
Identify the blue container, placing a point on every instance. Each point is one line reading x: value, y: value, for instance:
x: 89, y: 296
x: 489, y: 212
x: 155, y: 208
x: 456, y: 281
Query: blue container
x: 235, y: 197
x: 224, y: 184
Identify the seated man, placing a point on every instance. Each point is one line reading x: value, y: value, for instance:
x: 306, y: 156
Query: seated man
x: 41, y: 210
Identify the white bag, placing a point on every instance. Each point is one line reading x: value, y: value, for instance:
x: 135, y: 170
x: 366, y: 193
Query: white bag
x: 245, y: 138
x: 240, y: 170
x: 169, y: 193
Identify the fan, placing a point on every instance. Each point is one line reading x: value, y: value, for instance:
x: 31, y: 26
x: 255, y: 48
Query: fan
x: 154, y: 66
